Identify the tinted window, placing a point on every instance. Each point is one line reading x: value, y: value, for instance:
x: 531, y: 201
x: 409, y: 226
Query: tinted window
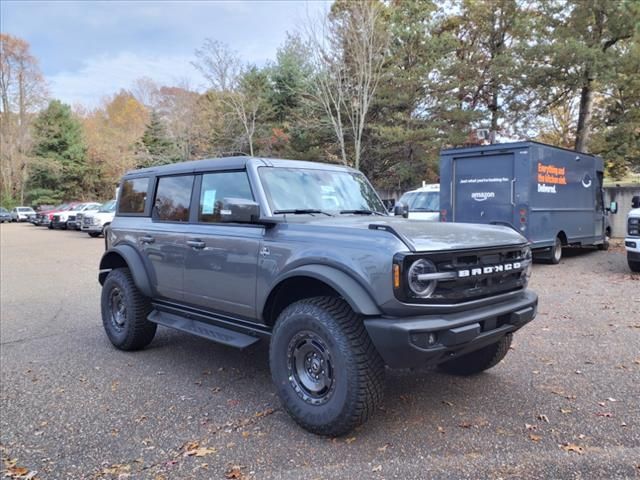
x: 133, y: 194
x: 173, y: 198
x: 218, y: 186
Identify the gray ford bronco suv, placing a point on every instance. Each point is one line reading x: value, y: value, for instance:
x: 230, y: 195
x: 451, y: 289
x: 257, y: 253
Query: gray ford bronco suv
x: 303, y: 255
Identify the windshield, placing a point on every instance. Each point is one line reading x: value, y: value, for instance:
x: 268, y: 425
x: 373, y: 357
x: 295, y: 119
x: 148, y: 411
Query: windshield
x: 108, y: 207
x: 333, y: 191
x: 421, y: 201
x: 25, y: 209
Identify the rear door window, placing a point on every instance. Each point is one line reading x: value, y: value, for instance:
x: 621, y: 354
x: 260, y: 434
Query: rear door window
x: 133, y: 196
x: 218, y: 186
x: 173, y: 198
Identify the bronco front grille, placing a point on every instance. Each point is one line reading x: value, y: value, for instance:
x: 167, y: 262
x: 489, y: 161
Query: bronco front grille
x: 480, y: 284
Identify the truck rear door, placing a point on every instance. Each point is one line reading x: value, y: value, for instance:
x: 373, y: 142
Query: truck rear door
x: 483, y: 189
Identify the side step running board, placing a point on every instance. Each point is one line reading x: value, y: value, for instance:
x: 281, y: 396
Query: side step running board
x: 201, y: 329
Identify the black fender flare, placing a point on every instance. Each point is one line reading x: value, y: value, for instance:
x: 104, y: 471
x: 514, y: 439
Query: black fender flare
x: 350, y: 289
x: 114, y: 258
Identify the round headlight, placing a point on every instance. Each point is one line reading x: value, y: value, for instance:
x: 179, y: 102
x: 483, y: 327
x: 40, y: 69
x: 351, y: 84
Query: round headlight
x: 421, y: 288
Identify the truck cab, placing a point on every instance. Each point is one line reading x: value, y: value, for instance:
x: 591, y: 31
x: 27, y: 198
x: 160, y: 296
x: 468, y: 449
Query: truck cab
x: 632, y: 240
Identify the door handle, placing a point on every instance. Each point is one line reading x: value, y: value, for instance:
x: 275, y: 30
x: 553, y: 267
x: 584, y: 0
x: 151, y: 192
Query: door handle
x: 147, y: 239
x: 196, y: 244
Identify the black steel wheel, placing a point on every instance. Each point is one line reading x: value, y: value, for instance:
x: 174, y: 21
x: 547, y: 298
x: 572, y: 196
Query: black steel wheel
x: 327, y: 372
x: 125, y: 311
x: 310, y: 368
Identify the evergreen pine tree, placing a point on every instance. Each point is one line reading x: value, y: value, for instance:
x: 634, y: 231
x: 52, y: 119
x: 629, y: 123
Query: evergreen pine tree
x: 155, y: 147
x: 60, y: 153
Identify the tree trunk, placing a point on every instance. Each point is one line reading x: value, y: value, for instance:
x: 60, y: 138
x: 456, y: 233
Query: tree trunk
x: 584, y: 116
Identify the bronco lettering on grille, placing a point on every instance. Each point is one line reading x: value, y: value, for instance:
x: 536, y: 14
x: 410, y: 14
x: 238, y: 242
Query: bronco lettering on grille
x: 474, y: 272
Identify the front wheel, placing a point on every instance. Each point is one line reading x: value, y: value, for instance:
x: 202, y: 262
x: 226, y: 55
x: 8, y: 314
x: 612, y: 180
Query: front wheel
x: 125, y: 311
x: 634, y: 265
x: 480, y: 360
x: 327, y: 372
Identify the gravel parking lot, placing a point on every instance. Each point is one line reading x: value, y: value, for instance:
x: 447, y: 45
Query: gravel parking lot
x: 565, y: 403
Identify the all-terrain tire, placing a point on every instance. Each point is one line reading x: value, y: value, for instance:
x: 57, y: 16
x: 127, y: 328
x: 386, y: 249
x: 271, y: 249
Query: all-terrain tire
x: 125, y: 311
x: 327, y: 330
x: 634, y: 265
x: 480, y: 360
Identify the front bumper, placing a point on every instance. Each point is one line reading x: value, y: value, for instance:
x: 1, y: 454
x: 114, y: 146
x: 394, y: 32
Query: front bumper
x: 92, y: 228
x: 404, y: 342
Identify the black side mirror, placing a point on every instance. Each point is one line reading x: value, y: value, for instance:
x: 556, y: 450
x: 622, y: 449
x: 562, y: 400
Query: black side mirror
x: 401, y: 210
x: 635, y: 201
x: 239, y: 210
x: 613, y: 207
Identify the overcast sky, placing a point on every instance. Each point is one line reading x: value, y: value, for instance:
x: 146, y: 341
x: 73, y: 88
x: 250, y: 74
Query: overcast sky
x: 89, y: 49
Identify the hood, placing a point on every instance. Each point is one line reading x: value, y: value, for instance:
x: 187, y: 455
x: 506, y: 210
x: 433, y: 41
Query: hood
x: 421, y: 235
x: 635, y: 212
x: 102, y: 215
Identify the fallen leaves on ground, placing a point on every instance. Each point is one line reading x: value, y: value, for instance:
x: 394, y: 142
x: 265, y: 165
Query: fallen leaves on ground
x: 193, y: 449
x: 377, y: 468
x: 235, y: 472
x: 350, y: 440
x: 535, y: 438
x: 572, y: 447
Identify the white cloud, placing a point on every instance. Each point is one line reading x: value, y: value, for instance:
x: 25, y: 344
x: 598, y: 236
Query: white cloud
x: 105, y: 75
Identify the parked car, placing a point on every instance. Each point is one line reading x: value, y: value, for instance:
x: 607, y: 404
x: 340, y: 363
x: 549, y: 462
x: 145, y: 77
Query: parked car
x: 304, y: 256
x: 94, y: 223
x: 632, y: 242
x: 420, y: 204
x: 5, y: 215
x: 54, y: 216
x: 42, y: 214
x: 22, y: 214
x: 68, y: 219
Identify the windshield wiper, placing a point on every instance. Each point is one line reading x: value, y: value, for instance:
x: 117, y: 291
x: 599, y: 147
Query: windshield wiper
x: 362, y: 212
x: 301, y: 211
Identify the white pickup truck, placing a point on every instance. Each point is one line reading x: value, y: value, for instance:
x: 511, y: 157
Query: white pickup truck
x: 95, y: 223
x: 632, y: 242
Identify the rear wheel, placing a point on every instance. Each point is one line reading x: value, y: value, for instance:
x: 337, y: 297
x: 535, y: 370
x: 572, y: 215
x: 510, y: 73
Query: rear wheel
x: 125, y: 311
x: 480, y: 360
x: 327, y: 372
x: 604, y: 246
x: 556, y: 252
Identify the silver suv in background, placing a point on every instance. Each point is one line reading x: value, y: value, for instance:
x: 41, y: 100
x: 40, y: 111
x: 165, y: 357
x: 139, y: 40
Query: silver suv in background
x: 420, y: 204
x: 94, y: 223
x: 22, y: 214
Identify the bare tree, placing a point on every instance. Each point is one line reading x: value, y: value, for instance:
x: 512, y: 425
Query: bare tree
x: 226, y: 74
x: 348, y: 51
x: 22, y: 91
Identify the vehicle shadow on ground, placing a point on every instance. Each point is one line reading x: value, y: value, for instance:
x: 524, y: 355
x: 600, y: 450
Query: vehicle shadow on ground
x: 411, y: 396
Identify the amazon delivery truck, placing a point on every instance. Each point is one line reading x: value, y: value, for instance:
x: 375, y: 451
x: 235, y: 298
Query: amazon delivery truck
x: 553, y: 196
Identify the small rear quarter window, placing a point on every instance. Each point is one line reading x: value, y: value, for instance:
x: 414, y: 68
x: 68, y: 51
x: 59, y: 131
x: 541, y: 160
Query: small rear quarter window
x: 133, y: 195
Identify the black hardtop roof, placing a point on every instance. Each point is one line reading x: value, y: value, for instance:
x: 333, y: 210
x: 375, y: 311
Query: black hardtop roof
x: 507, y: 146
x: 230, y: 163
